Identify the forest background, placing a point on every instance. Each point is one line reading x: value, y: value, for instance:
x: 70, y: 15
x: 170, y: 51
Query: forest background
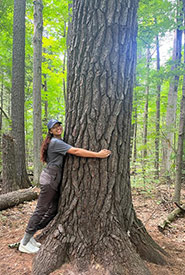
x: 160, y: 71
x: 158, y: 111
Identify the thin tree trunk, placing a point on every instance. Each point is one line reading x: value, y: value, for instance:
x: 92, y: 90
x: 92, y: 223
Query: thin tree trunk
x: 64, y: 68
x: 44, y: 86
x: 17, y: 100
x: 96, y: 222
x: 172, y: 101
x: 178, y: 178
x: 9, y: 103
x: 1, y: 112
x: 46, y: 100
x: 145, y: 121
x: 157, y: 125
x: 2, y: 92
x: 37, y: 67
x: 134, y: 143
x: 64, y: 80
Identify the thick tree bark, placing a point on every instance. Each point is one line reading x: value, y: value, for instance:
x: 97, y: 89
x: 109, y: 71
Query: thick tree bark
x: 17, y: 101
x: 10, y: 181
x: 37, y: 65
x: 96, y: 222
x: 172, y: 100
x: 16, y: 197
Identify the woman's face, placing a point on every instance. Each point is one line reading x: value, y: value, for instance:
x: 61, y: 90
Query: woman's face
x: 56, y: 130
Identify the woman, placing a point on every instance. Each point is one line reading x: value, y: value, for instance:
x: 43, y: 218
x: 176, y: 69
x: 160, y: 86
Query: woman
x: 52, y: 152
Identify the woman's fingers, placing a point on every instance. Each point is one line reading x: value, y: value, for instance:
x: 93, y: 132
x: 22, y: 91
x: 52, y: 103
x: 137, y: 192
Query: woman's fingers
x: 104, y: 153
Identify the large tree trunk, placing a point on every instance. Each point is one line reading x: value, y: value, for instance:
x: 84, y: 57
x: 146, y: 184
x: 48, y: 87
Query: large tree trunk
x: 172, y: 100
x: 17, y: 102
x: 37, y: 65
x: 96, y: 223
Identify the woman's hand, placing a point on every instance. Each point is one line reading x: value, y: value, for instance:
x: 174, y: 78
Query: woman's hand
x: 103, y: 153
x: 89, y: 154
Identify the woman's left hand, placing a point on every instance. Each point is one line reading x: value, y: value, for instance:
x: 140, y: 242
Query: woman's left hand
x: 103, y: 153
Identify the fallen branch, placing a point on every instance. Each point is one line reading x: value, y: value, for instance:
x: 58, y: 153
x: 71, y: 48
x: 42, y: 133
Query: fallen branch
x: 16, y: 197
x: 180, y: 207
x: 171, y: 217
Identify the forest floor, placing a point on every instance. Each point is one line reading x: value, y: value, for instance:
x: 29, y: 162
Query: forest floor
x: 151, y: 209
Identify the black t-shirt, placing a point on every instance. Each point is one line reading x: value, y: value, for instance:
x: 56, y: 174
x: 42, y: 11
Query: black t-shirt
x: 56, y: 150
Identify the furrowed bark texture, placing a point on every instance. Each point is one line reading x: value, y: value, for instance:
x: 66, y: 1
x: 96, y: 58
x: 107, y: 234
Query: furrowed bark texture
x: 17, y: 103
x: 96, y: 216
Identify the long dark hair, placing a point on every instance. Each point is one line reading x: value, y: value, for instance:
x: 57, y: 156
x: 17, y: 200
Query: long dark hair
x: 44, y: 147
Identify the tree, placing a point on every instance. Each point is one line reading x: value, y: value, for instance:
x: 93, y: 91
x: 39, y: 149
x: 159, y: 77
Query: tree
x: 37, y: 66
x: 6, y: 30
x: 180, y: 147
x: 17, y: 102
x: 157, y: 125
x: 172, y: 97
x: 9, y: 182
x: 96, y: 223
x: 145, y: 119
x: 152, y: 26
x: 134, y: 132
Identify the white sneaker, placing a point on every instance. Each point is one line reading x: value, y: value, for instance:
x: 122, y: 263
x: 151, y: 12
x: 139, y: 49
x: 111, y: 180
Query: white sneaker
x: 34, y: 243
x: 28, y: 248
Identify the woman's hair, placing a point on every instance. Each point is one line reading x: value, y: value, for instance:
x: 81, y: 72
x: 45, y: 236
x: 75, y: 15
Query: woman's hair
x: 44, y: 147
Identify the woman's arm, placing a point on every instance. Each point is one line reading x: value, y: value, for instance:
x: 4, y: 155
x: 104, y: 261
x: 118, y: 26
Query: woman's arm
x: 89, y: 154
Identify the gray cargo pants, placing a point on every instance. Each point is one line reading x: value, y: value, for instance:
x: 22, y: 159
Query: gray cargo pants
x: 47, y: 203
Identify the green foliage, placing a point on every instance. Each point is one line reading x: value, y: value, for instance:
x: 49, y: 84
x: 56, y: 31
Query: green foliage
x: 155, y: 18
x: 159, y: 20
x: 55, y: 19
x: 54, y: 55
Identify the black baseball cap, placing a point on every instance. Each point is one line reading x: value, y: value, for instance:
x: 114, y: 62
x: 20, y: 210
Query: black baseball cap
x: 52, y: 122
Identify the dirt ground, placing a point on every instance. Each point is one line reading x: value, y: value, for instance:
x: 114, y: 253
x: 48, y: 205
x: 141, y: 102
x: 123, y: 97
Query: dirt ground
x: 151, y: 209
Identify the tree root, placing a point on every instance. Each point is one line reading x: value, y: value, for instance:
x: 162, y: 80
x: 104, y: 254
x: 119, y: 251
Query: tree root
x: 114, y: 256
x: 147, y: 248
